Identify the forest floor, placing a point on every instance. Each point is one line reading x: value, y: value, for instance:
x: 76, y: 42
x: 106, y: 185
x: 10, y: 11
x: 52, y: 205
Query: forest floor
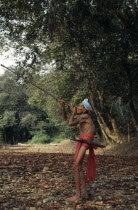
x: 37, y: 177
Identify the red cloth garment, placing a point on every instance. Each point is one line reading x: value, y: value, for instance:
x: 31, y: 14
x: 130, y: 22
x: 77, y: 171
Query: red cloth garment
x: 91, y: 165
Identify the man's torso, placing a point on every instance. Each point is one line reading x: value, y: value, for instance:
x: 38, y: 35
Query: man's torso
x: 86, y: 125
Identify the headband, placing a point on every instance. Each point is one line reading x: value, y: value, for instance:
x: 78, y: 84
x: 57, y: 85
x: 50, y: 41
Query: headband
x: 86, y: 104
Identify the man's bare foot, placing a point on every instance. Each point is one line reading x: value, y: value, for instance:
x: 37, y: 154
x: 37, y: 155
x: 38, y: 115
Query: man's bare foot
x: 74, y: 198
x: 84, y: 196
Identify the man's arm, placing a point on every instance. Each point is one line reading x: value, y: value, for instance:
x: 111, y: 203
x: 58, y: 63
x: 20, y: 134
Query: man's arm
x: 75, y: 120
x: 71, y: 119
x: 64, y: 116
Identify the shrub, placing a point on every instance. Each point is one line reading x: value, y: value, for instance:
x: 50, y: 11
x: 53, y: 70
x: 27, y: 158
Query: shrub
x: 40, y: 138
x: 58, y: 138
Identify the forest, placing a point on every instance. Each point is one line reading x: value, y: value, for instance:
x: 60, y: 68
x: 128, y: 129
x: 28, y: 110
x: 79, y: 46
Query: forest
x: 74, y: 49
x: 70, y: 50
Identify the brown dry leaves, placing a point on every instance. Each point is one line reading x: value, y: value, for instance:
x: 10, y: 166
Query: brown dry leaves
x: 42, y: 181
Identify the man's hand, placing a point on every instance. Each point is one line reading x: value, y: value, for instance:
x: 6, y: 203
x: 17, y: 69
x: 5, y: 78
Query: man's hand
x: 62, y: 102
x: 73, y: 109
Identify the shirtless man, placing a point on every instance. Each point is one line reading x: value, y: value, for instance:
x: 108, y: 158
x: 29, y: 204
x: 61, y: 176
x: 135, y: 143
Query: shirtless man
x: 81, y: 117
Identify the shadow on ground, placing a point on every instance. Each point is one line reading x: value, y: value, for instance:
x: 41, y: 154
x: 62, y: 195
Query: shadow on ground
x: 43, y: 181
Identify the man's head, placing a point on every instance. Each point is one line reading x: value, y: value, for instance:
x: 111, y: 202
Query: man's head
x: 81, y: 109
x: 84, y: 106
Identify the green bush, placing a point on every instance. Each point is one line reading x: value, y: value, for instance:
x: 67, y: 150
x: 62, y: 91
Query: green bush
x: 58, y: 138
x: 40, y: 138
x: 135, y: 138
x: 66, y: 131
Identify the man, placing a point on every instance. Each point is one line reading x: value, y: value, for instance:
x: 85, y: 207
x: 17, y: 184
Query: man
x: 80, y: 116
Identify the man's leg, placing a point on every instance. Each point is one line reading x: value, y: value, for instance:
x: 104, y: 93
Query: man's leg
x: 84, y: 193
x: 77, y: 170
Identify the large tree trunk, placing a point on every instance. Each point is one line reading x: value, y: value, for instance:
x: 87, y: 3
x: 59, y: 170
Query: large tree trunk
x: 110, y: 135
x: 117, y: 133
x: 130, y: 94
x: 1, y: 136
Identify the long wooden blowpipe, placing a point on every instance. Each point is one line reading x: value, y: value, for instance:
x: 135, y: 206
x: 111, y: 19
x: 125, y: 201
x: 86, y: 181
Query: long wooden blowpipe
x: 35, y: 85
x: 88, y: 142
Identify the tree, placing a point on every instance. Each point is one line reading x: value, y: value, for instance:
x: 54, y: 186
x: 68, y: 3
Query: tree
x: 19, y: 121
x: 92, y: 41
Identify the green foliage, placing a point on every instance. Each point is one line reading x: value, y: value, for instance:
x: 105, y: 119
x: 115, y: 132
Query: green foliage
x: 58, y: 138
x: 92, y: 46
x: 40, y: 138
x: 20, y: 121
x: 28, y: 120
x: 69, y: 131
x: 8, y: 119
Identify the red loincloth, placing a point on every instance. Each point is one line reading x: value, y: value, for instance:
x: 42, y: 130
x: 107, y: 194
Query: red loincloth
x: 91, y: 165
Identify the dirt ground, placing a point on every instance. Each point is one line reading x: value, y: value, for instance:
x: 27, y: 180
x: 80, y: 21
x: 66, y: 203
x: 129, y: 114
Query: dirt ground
x: 68, y: 147
x: 40, y: 177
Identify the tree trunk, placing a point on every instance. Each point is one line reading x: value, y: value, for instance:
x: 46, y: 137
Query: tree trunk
x: 119, y: 108
x: 113, y: 134
x: 108, y: 134
x: 130, y: 93
x: 115, y: 129
x: 105, y: 136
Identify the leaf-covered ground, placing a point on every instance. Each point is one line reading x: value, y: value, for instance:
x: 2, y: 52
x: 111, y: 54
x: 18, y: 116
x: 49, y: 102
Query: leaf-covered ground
x: 33, y: 181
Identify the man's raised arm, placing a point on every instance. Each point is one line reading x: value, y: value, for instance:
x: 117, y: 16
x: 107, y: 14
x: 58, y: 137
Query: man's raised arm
x: 64, y: 116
